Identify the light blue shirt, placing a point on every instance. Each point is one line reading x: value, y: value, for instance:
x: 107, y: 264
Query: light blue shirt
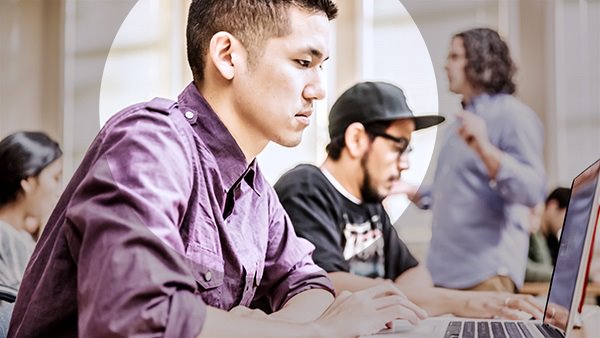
x: 478, y: 229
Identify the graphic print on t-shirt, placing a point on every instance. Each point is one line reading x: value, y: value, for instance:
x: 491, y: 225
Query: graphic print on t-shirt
x: 364, y: 247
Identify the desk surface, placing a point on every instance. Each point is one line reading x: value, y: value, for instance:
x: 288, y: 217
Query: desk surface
x: 591, y: 323
x: 541, y: 288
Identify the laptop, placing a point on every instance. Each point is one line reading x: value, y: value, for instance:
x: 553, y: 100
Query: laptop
x: 566, y: 286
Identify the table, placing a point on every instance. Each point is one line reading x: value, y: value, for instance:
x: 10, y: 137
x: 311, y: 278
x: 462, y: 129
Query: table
x: 541, y: 288
x: 591, y: 323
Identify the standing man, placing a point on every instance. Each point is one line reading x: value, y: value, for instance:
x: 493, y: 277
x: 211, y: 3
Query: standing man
x: 338, y: 206
x: 489, y: 172
x: 168, y: 224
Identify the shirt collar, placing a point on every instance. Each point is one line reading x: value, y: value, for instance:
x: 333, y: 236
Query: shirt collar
x: 339, y: 187
x: 230, y: 159
x: 477, y: 101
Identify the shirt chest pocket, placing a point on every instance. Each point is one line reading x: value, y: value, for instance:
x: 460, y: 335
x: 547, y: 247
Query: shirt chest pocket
x: 208, y: 270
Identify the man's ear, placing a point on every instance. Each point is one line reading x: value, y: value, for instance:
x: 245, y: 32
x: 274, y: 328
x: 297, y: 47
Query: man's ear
x: 357, y: 140
x: 552, y: 205
x: 221, y: 52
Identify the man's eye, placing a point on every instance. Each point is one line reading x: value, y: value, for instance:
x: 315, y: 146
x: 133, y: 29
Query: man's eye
x: 303, y: 63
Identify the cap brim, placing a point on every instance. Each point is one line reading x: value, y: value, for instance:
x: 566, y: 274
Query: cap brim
x: 426, y: 121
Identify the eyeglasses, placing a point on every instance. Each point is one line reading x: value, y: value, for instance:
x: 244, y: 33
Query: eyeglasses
x: 402, y: 142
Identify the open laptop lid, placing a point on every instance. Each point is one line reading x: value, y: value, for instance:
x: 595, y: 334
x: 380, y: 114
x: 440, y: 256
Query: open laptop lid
x: 575, y: 242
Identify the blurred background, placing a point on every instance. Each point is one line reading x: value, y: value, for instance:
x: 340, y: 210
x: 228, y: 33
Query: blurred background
x: 68, y: 65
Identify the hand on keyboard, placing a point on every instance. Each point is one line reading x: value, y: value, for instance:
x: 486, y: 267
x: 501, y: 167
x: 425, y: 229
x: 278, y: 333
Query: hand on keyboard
x: 487, y: 304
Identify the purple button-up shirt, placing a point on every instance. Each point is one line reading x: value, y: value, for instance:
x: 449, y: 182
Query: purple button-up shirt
x: 162, y: 217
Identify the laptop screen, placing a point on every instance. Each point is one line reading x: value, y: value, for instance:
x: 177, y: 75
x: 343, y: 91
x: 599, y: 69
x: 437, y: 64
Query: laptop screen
x: 571, y: 250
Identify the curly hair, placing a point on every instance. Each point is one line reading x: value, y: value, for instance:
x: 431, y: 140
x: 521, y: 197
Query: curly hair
x: 252, y: 22
x: 489, y: 65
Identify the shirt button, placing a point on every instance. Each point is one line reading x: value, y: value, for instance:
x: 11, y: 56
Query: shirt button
x: 189, y: 115
x: 208, y: 276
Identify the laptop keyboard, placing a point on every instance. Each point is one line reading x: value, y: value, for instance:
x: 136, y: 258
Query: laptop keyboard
x: 473, y: 329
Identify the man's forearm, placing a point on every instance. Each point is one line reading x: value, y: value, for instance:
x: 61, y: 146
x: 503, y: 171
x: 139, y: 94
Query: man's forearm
x: 219, y: 323
x: 491, y: 157
x: 305, y: 306
x: 436, y: 301
x: 346, y: 281
x: 415, y: 283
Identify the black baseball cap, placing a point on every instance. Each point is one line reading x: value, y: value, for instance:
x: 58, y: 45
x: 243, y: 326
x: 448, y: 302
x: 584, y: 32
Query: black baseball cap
x: 368, y: 102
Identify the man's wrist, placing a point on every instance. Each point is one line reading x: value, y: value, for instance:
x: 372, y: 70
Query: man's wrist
x: 453, y: 302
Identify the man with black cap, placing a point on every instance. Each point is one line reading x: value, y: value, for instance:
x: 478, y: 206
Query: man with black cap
x: 338, y: 206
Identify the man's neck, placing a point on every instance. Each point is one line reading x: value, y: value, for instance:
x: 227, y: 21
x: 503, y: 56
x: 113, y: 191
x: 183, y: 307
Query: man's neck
x: 468, y: 95
x: 345, y: 174
x: 249, y: 141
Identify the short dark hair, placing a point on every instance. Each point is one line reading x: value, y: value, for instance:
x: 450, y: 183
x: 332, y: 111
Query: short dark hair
x: 250, y: 21
x: 561, y: 196
x: 22, y: 155
x: 489, y: 65
x: 337, y: 144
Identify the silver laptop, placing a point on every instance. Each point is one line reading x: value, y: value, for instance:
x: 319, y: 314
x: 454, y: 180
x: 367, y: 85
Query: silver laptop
x: 566, y: 287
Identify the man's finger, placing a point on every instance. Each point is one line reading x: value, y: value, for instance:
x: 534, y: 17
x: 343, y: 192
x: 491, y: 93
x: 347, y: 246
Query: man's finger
x: 398, y: 312
x: 527, y: 306
x: 383, y: 289
x: 387, y: 301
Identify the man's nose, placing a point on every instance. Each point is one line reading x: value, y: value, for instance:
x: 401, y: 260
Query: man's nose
x: 403, y: 162
x: 315, y: 90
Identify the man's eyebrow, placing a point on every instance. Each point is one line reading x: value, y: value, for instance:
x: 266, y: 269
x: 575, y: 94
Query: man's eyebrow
x: 317, y: 53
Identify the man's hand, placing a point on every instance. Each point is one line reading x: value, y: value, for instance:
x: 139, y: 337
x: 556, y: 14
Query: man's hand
x: 368, y: 311
x: 473, y: 131
x: 402, y: 187
x: 484, y: 304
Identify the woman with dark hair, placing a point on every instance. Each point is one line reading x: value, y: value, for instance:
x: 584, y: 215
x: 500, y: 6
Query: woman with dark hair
x: 30, y: 183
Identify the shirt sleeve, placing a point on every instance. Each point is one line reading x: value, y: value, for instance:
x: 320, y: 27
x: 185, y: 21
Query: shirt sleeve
x: 398, y: 257
x: 312, y: 218
x: 520, y: 177
x: 122, y: 230
x: 425, y: 197
x: 289, y: 268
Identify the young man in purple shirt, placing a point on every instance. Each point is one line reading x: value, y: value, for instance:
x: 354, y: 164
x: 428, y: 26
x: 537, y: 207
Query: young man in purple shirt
x: 168, y: 227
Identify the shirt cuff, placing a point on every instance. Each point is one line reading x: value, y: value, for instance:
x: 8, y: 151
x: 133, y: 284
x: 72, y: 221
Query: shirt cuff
x: 187, y: 316
x: 315, y: 280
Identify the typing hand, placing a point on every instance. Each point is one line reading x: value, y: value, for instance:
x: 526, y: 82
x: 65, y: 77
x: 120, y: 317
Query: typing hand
x: 368, y: 311
x: 485, y: 304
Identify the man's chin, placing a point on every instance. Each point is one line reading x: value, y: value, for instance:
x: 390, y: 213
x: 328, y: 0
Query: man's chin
x: 289, y: 142
x: 384, y: 194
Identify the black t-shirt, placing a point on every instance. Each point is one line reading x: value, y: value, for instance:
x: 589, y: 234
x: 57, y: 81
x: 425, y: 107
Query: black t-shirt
x: 348, y: 237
